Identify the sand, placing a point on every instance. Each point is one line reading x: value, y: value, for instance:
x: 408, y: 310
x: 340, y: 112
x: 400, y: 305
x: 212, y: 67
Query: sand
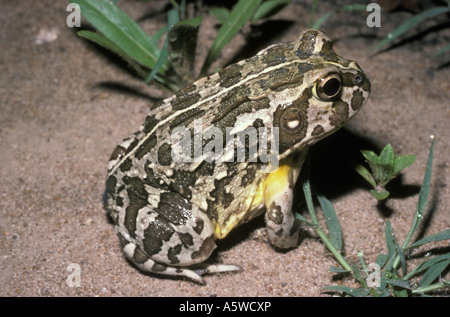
x: 65, y: 104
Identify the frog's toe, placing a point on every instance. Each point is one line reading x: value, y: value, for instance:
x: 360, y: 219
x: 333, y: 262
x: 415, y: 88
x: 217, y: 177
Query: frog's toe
x: 204, y: 269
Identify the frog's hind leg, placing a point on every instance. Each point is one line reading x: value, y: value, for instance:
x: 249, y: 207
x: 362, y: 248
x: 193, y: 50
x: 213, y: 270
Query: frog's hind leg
x: 282, y: 227
x: 175, y: 238
x: 194, y: 273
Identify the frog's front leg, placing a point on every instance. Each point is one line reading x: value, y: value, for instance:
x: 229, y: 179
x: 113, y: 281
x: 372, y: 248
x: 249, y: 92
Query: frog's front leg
x: 282, y: 227
x: 173, y: 239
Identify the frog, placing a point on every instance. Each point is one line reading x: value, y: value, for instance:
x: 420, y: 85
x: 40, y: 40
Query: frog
x: 169, y: 213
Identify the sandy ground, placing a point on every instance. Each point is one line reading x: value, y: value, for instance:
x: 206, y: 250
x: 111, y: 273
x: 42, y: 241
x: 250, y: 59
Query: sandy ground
x: 65, y: 104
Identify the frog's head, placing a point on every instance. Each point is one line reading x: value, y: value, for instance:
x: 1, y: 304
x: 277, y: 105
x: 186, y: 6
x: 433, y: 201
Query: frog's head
x: 333, y: 91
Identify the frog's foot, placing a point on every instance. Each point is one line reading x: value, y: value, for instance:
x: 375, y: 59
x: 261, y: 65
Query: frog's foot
x: 193, y: 273
x: 205, y: 268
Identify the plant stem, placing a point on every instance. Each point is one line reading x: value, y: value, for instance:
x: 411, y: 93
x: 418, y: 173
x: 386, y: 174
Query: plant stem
x: 332, y: 249
x: 430, y: 288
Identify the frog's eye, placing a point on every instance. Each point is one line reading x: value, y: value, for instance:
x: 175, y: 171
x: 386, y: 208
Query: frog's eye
x: 328, y: 87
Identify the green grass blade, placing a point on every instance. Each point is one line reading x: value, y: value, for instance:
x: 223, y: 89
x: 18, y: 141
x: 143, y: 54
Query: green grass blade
x: 426, y: 264
x: 381, y: 260
x: 303, y: 219
x: 423, y: 197
x: 425, y: 190
x: 322, y: 19
x: 442, y: 50
x: 401, y: 255
x: 443, y: 235
x: 106, y: 43
x: 312, y: 13
x: 357, y: 292
x: 240, y: 14
x: 119, y: 28
x: 309, y: 202
x: 346, y: 8
x: 399, y: 283
x: 221, y: 14
x: 432, y: 287
x: 172, y: 19
x: 268, y: 8
x: 389, y: 237
x: 334, y: 229
x: 410, y: 23
x: 433, y: 272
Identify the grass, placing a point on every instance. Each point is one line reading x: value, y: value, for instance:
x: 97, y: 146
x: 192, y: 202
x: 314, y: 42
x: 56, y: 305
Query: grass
x: 396, y: 34
x: 389, y: 274
x: 173, y: 64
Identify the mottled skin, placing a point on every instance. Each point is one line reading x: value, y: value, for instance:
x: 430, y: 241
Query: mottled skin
x: 168, y: 214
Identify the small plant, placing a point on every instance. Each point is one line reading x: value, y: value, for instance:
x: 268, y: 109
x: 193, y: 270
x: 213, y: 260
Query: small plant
x: 173, y: 64
x: 388, y: 276
x: 384, y: 168
x: 412, y: 22
x: 396, y: 33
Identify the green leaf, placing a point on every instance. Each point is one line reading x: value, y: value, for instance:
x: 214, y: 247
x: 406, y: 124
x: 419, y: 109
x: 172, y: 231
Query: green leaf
x: 106, y: 43
x: 432, y: 287
x: 389, y: 237
x: 386, y: 156
x: 221, y: 14
x: 357, y: 292
x: 425, y: 190
x: 433, y: 272
x: 172, y: 18
x: 399, y: 283
x: 308, y: 199
x: 442, y: 50
x: 400, y: 293
x: 370, y: 156
x: 120, y: 29
x: 410, y: 23
x: 240, y: 14
x: 423, y: 197
x: 358, y: 276
x: 381, y: 260
x: 426, y: 264
x: 269, y: 8
x: 301, y: 218
x: 364, y: 172
x: 401, y: 255
x: 443, y: 235
x: 332, y: 222
x: 346, y: 8
x: 322, y: 19
x: 402, y: 162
